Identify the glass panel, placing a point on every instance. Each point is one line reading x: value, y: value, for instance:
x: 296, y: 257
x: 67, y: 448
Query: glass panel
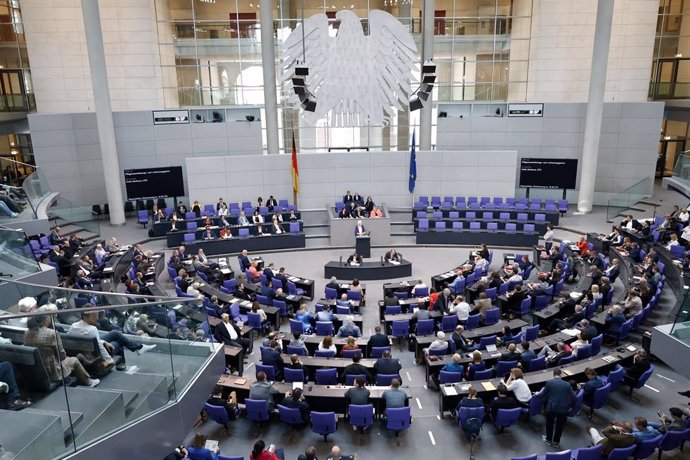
x: 65, y: 339
x: 16, y: 256
x: 623, y: 200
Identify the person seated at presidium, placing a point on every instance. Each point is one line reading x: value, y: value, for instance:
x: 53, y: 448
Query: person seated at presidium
x: 393, y: 256
x: 354, y: 259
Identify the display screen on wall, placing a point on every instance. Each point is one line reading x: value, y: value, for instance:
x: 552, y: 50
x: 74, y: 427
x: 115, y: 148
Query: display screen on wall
x: 148, y: 183
x: 548, y: 173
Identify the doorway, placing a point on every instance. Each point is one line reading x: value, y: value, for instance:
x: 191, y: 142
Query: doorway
x: 670, y: 149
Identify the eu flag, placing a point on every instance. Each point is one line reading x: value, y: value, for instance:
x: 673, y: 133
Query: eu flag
x: 413, y: 165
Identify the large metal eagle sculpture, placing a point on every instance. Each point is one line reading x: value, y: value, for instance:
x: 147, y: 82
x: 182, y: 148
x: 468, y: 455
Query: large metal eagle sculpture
x: 358, y: 78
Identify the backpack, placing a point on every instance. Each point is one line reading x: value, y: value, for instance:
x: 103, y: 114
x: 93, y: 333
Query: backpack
x: 472, y: 428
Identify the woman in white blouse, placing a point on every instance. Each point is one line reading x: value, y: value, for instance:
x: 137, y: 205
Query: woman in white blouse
x: 327, y: 344
x: 519, y: 387
x: 548, y: 237
x: 223, y: 210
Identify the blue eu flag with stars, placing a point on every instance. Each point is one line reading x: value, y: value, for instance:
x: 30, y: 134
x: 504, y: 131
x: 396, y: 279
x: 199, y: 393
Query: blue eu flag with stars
x: 413, y: 165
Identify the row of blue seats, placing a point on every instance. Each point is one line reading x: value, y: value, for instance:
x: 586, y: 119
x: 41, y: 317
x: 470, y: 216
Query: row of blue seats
x: 488, y: 215
x: 423, y: 225
x: 472, y: 202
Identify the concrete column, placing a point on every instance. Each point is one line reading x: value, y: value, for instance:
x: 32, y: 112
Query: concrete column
x: 427, y: 53
x: 268, y: 63
x: 403, y: 141
x: 595, y: 105
x: 104, y: 113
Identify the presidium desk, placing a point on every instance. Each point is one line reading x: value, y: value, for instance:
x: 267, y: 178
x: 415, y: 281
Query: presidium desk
x: 367, y: 270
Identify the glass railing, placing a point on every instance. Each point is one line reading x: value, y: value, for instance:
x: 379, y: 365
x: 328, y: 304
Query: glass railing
x: 622, y: 201
x: 669, y: 90
x: 122, y: 357
x: 681, y: 325
x: 23, y: 191
x: 74, y: 214
x: 16, y: 256
x: 681, y: 171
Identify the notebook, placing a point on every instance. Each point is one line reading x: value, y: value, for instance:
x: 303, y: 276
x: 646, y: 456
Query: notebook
x: 211, y: 444
x: 488, y: 386
x: 491, y: 348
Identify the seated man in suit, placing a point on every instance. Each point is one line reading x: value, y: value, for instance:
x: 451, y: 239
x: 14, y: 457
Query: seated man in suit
x: 343, y: 302
x: 570, y: 321
x: 445, y: 299
x: 593, y: 383
x: 639, y: 366
x: 461, y: 343
x: 229, y: 334
x: 379, y: 339
x: 263, y: 389
x: 230, y: 404
x: 272, y: 357
x: 552, y: 357
x: 511, y: 354
x: 354, y: 259
x: 393, y: 255
x: 502, y: 401
x: 614, y: 436
x: 386, y: 365
x: 614, y: 319
x: 355, y: 369
x: 209, y: 233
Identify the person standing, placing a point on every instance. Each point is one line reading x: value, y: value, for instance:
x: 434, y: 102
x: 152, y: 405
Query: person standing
x: 558, y: 397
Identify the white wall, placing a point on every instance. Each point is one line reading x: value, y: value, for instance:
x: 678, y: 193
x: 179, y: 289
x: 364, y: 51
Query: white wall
x: 325, y: 177
x: 628, y: 148
x: 60, y: 72
x: 560, y: 56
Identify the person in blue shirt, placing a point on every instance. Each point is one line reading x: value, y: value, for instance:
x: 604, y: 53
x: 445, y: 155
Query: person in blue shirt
x: 454, y: 365
x: 454, y: 286
x: 614, y: 319
x: 304, y: 316
x: 349, y: 328
x: 476, y: 365
x: 593, y: 382
x: 198, y: 451
x: 325, y: 314
x: 642, y: 431
x: 527, y: 355
x: 395, y: 397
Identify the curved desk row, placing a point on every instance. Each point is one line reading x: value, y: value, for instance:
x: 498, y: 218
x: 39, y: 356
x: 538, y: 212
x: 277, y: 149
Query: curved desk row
x: 176, y: 238
x: 252, y: 243
x: 368, y: 270
x: 551, y: 216
x: 493, y: 237
x: 163, y: 227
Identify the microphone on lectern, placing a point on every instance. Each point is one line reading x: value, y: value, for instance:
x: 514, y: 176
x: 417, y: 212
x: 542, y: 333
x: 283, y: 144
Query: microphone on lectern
x: 382, y: 261
x: 341, y: 260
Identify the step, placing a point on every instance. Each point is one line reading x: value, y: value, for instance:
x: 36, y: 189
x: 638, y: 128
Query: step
x: 321, y: 235
x: 30, y: 436
x: 68, y: 229
x: 65, y: 417
x: 104, y: 411
x: 149, y: 391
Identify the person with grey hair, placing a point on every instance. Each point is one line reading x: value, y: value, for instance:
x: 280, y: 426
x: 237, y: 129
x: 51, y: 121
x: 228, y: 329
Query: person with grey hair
x: 440, y: 345
x: 229, y: 334
x: 49, y: 344
x: 333, y: 283
x: 336, y: 454
x: 349, y: 328
x: 614, y: 319
x: 26, y: 305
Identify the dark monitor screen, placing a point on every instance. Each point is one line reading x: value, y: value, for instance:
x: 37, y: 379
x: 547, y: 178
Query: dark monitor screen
x: 149, y: 183
x: 548, y: 173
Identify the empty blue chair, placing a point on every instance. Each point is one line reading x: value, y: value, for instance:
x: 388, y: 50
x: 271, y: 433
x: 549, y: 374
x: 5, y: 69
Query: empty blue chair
x: 324, y: 328
x: 296, y: 326
x: 257, y: 410
x: 400, y: 330
x: 377, y: 352
x: 541, y: 302
x: 425, y: 327
x: 599, y: 399
x: 492, y: 316
x: 324, y: 353
x: 331, y: 293
x: 294, y: 375
x: 421, y: 215
x: 440, y: 225
x: 646, y: 448
x: 263, y: 300
x: 385, y: 379
x: 511, y: 227
x: 566, y: 360
x: 563, y: 455
x: 673, y: 440
x: 189, y: 237
x: 350, y: 378
x: 435, y: 201
x: 615, y: 377
x: 393, y: 310
x: 483, y: 375
x: 326, y: 376
x: 401, y: 295
x: 270, y: 371
x: 342, y: 310
x: 583, y: 352
x: 487, y: 215
x: 506, y: 418
x: 528, y: 228
x: 323, y: 423
x: 143, y: 217
x: 254, y: 320
x: 537, y: 364
x: 529, y: 457
x: 448, y: 323
x: 361, y: 416
x: 525, y: 307
x: 474, y: 226
x: 351, y: 353
x: 453, y: 215
x: 470, y: 215
x: 588, y: 453
x: 473, y: 322
x: 294, y: 227
x: 540, y: 217
x: 449, y: 377
x: 290, y: 415
x: 243, y: 232
x: 397, y: 420
x: 535, y: 405
x: 218, y: 414
x: 504, y: 367
x: 492, y: 226
x: 487, y: 340
x: 437, y: 215
x: 622, y: 453
x: 423, y: 225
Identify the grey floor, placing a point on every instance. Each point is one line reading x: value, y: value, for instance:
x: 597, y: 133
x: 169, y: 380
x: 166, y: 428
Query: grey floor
x: 430, y: 435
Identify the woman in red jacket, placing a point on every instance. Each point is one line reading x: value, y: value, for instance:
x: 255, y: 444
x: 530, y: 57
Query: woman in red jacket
x: 261, y: 452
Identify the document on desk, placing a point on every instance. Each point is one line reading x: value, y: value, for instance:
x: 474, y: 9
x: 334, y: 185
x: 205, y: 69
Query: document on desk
x: 491, y: 348
x: 571, y: 332
x: 211, y: 445
x: 240, y: 381
x: 451, y: 391
x: 293, y: 279
x: 299, y: 385
x: 631, y: 348
x: 394, y: 262
x: 488, y: 386
x: 610, y: 359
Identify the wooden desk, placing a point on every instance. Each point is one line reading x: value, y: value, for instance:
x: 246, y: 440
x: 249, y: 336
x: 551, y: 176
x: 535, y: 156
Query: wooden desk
x: 322, y: 398
x: 406, y: 305
x: 234, y: 356
x: 302, y: 283
x: 449, y: 399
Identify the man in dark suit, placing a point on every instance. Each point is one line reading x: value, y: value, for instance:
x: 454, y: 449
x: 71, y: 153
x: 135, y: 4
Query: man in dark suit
x: 357, y: 198
x: 461, y: 343
x: 379, y: 339
x: 588, y: 329
x: 387, y: 365
x: 511, y: 354
x: 568, y: 322
x: 271, y: 357
x: 631, y: 224
x: 244, y: 261
x: 558, y: 397
x: 614, y: 319
x: 347, y: 198
x: 502, y: 401
x: 269, y: 292
x: 229, y: 404
x: 639, y: 366
x: 333, y: 284
x: 445, y: 299
x: 56, y: 256
x: 355, y: 369
x: 605, y: 287
x: 281, y: 276
x: 229, y: 334
x: 613, y: 271
x: 269, y: 272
